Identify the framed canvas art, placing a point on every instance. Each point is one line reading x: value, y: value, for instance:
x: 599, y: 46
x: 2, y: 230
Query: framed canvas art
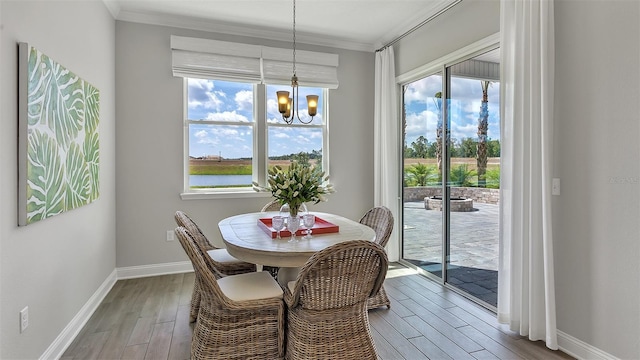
x: 58, y: 138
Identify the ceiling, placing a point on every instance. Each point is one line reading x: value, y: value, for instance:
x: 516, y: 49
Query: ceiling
x: 351, y: 24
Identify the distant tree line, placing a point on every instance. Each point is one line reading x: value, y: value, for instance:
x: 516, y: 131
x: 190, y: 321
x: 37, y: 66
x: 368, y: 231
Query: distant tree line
x: 300, y: 157
x: 465, y: 148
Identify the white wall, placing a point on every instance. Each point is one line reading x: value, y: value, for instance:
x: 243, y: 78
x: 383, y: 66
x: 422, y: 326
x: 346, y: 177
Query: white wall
x: 149, y: 153
x: 596, y: 218
x: 596, y: 232
x: 54, y: 266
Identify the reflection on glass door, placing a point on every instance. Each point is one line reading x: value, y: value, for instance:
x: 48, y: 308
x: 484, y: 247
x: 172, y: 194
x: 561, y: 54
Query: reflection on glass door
x: 473, y: 168
x: 451, y: 175
x: 422, y: 120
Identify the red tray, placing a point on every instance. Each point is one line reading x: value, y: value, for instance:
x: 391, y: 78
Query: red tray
x: 320, y: 227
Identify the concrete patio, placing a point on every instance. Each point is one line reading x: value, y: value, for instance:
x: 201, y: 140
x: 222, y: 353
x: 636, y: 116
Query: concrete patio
x: 473, y: 261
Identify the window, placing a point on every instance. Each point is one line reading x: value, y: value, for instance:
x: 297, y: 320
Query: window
x: 233, y: 130
x: 228, y: 123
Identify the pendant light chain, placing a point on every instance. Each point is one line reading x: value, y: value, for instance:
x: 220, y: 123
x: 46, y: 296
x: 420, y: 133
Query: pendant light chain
x: 294, y: 37
x: 288, y: 106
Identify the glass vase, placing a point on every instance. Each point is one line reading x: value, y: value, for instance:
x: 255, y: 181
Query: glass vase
x: 285, y: 210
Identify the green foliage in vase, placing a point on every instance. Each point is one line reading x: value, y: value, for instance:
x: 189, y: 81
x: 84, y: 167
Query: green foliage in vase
x: 297, y: 184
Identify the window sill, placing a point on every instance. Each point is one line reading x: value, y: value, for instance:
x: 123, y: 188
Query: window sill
x: 231, y: 194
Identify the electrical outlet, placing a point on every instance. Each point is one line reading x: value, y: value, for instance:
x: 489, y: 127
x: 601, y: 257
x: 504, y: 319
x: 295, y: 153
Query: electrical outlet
x: 24, y: 319
x: 170, y: 236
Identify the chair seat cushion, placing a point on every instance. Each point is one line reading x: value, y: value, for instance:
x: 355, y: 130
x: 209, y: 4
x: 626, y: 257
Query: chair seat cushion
x: 250, y: 286
x: 222, y: 256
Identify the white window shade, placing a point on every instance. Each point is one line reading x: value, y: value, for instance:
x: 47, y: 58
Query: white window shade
x: 212, y: 59
x: 313, y: 69
x: 204, y: 58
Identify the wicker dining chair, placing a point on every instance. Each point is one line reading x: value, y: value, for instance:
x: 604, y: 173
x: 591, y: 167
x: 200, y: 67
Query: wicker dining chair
x: 380, y: 219
x: 273, y: 205
x: 225, y: 263
x: 327, y: 314
x: 241, y: 316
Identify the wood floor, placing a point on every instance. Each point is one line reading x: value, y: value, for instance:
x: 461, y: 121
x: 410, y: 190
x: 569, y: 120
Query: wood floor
x: 147, y: 318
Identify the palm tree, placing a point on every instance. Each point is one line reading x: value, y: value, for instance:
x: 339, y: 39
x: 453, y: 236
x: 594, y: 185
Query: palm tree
x: 419, y: 174
x: 438, y: 101
x: 461, y: 176
x: 483, y: 126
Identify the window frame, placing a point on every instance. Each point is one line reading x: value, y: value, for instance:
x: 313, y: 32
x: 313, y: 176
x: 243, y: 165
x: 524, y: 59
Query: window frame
x: 260, y: 126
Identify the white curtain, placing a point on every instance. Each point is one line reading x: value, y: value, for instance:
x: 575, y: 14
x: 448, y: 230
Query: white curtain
x: 526, y: 290
x: 385, y: 143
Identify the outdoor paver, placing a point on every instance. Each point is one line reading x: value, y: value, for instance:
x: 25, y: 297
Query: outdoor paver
x: 473, y: 259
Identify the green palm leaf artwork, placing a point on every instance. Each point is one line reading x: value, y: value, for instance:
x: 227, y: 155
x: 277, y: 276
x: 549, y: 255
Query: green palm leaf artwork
x: 59, y: 118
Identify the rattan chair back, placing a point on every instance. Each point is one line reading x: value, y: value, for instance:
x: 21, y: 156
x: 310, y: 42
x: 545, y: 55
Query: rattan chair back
x: 340, y: 275
x: 183, y: 220
x: 379, y: 219
x: 219, y: 269
x: 272, y: 205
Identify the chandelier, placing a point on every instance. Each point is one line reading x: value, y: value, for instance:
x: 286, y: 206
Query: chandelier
x: 288, y: 106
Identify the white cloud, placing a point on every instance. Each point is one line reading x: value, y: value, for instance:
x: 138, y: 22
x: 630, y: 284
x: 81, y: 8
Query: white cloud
x: 203, y: 95
x: 244, y: 100
x: 227, y: 116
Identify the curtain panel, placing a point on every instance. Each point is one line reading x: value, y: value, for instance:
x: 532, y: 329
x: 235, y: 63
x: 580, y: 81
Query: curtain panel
x: 385, y: 143
x: 526, y: 287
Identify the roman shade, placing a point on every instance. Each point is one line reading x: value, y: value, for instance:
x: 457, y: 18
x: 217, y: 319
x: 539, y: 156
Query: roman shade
x: 222, y: 60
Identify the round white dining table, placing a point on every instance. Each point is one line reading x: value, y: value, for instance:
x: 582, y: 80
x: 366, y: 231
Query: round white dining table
x: 247, y: 241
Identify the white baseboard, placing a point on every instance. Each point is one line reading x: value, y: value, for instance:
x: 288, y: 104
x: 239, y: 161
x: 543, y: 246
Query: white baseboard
x: 69, y: 333
x: 580, y: 349
x: 132, y: 272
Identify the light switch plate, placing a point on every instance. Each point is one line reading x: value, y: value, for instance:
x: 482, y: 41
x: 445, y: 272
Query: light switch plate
x: 555, y: 186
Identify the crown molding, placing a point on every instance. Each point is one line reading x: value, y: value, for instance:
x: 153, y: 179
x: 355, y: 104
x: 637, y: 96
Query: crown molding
x: 234, y: 29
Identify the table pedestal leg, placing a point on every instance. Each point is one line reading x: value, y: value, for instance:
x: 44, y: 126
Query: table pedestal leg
x: 286, y: 274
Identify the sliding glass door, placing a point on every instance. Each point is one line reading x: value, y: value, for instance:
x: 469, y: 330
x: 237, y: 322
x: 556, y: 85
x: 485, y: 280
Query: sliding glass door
x: 451, y: 175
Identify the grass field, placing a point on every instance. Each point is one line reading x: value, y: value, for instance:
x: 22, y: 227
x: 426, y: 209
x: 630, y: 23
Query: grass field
x: 243, y: 167
x: 226, y: 167
x: 471, y: 162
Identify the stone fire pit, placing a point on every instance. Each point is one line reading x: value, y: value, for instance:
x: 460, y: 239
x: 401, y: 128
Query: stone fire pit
x: 457, y: 204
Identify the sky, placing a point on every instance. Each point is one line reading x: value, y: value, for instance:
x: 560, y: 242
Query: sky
x: 227, y: 101
x: 466, y: 97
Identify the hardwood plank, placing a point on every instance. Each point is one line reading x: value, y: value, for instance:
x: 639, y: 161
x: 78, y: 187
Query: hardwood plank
x: 484, y: 355
x: 160, y: 341
x: 117, y: 341
x: 135, y: 352
x: 187, y: 288
x: 430, y: 349
x: 385, y: 350
x: 443, y: 342
x: 171, y: 300
x: 489, y: 344
x: 426, y: 320
x: 434, y: 308
x: 399, y: 342
x: 398, y: 323
x: 91, y: 345
x: 449, y: 341
x: 142, y: 331
x: 181, y: 338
